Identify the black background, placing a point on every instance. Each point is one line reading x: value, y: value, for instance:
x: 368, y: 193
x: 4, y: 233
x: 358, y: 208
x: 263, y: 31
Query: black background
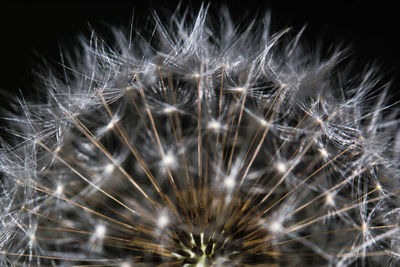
x: 31, y: 31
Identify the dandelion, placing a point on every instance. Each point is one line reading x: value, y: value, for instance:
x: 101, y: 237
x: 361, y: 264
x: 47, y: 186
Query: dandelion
x: 202, y: 147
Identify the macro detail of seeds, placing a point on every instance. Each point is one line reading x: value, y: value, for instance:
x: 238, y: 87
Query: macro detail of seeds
x: 202, y: 146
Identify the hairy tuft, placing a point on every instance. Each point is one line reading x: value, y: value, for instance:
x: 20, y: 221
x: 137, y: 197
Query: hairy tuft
x: 202, y: 146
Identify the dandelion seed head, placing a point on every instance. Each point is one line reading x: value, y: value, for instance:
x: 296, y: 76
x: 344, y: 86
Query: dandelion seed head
x: 202, y: 147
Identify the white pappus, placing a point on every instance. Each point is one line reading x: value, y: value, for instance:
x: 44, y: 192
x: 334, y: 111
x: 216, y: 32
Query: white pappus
x: 202, y: 146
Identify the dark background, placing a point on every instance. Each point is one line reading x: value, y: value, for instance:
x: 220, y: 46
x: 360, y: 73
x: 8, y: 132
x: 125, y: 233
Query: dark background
x: 31, y: 31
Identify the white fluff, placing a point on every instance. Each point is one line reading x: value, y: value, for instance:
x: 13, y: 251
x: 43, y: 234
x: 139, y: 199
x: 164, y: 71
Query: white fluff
x: 246, y: 126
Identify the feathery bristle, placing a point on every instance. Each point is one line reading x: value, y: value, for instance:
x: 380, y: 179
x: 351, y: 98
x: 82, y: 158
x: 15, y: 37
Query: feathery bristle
x: 202, y: 148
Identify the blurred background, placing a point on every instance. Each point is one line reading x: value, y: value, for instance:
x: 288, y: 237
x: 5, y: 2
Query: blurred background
x: 32, y: 31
